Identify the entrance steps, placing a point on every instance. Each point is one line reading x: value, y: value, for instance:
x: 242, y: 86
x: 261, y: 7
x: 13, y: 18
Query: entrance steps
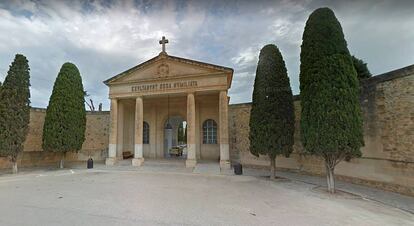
x: 209, y: 168
x: 172, y: 166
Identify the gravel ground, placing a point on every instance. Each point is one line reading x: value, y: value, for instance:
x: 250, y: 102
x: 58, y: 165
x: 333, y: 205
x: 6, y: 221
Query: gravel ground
x: 163, y: 196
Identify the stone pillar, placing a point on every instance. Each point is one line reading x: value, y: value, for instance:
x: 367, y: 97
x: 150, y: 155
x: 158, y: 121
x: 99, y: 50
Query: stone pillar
x: 138, y: 159
x: 120, y: 129
x: 224, y: 131
x: 111, y: 160
x: 191, y: 132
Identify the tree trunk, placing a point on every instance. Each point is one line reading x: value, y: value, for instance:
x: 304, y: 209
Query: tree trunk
x: 330, y: 179
x: 62, y: 160
x: 14, y: 166
x: 272, y: 168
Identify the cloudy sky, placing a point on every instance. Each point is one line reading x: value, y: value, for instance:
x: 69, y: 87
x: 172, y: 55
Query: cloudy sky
x: 104, y: 38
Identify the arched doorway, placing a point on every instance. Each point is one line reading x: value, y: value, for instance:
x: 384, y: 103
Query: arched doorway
x: 175, y: 137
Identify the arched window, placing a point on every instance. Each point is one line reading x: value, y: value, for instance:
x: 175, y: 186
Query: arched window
x: 145, y: 133
x: 209, y: 132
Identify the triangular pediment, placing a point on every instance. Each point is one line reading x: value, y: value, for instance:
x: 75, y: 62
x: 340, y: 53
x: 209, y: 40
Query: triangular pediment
x: 165, y: 66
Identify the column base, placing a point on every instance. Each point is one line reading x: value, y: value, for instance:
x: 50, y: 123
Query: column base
x: 190, y: 163
x: 137, y: 161
x: 110, y: 161
x: 225, y: 164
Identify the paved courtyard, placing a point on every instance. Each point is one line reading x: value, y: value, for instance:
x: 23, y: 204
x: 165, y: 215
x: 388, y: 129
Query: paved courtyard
x: 173, y: 195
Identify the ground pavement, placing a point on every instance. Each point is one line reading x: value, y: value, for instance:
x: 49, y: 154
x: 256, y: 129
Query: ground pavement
x: 167, y: 193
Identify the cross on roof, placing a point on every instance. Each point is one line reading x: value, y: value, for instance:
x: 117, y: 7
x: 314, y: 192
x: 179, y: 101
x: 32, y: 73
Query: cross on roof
x: 163, y: 41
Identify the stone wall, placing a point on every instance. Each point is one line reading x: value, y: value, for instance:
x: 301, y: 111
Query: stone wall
x: 388, y: 156
x: 96, y: 143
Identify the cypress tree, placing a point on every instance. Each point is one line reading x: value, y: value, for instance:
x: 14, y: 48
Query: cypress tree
x: 15, y: 109
x: 361, y: 68
x: 65, y: 122
x: 185, y: 134
x: 180, y: 134
x: 272, y: 115
x: 331, y: 122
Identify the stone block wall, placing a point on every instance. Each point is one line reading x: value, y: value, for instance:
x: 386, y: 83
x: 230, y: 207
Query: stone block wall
x: 95, y: 145
x: 387, y: 102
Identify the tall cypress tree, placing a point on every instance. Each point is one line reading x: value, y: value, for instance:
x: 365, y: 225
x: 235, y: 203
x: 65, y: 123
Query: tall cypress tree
x: 15, y: 109
x: 272, y: 115
x: 331, y: 122
x: 361, y: 68
x: 65, y: 122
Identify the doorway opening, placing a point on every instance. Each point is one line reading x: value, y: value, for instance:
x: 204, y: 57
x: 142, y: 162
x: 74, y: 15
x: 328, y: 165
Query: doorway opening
x: 175, y: 138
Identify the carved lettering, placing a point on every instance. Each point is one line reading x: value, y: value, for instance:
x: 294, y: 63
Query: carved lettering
x: 164, y: 86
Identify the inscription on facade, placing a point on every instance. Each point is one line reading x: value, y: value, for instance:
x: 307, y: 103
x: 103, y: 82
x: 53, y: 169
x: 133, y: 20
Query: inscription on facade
x: 164, y: 86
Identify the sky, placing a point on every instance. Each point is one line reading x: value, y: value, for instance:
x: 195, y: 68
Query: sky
x: 104, y: 38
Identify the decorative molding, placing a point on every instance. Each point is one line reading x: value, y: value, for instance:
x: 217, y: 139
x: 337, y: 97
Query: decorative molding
x: 163, y: 70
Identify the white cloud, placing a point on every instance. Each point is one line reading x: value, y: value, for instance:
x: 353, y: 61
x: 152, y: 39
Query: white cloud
x: 246, y: 57
x: 103, y: 38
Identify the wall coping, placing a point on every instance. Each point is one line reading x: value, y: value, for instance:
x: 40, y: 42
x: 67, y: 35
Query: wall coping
x: 87, y: 112
x: 394, y: 74
x: 384, y: 77
x: 38, y: 109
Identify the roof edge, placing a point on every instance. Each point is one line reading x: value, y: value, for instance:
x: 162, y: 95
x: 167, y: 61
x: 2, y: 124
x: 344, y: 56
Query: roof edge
x: 106, y: 82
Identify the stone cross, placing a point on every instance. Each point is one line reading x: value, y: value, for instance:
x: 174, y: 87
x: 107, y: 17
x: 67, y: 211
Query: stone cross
x: 163, y: 41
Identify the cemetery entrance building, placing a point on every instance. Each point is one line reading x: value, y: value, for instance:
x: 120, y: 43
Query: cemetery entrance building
x: 170, y: 107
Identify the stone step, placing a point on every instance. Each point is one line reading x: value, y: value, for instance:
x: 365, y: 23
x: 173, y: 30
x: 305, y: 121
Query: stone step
x: 211, y: 168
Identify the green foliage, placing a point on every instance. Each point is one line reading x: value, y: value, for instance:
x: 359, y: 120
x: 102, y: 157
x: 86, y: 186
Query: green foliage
x: 65, y: 122
x: 185, y: 134
x: 331, y: 122
x: 15, y: 108
x: 361, y: 68
x: 180, y: 134
x: 272, y: 114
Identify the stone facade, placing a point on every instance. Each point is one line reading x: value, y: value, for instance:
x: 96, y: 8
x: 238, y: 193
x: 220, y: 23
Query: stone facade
x: 387, y: 102
x: 388, y: 156
x: 166, y: 87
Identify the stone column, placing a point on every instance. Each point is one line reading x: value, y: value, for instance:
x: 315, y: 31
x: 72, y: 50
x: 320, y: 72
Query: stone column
x: 111, y: 160
x: 120, y: 129
x: 191, y: 132
x: 224, y: 131
x: 138, y: 159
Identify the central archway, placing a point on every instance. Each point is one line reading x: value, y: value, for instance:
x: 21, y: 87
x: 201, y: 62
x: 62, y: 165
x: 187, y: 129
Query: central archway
x: 175, y: 137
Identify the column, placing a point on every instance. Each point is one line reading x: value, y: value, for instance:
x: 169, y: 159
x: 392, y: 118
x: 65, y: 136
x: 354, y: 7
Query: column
x: 191, y: 132
x: 111, y: 160
x: 224, y: 131
x: 138, y: 159
x: 120, y: 133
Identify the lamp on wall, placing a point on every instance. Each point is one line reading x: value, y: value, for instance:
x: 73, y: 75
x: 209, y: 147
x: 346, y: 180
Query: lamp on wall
x: 168, y: 126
